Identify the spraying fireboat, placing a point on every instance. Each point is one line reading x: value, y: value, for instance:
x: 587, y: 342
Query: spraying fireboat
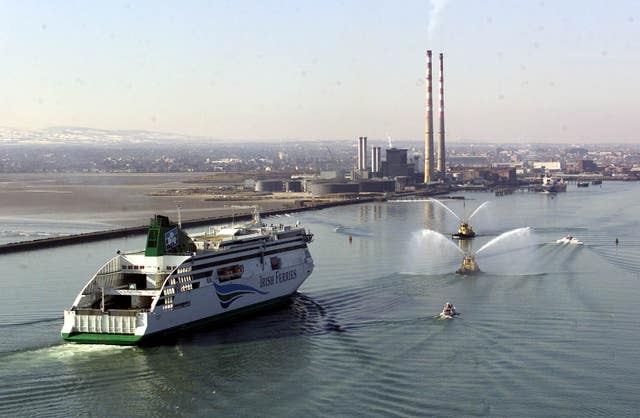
x: 469, y: 266
x: 465, y: 231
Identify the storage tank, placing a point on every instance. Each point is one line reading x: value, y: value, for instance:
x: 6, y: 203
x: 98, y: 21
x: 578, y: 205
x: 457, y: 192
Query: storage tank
x: 320, y: 189
x: 269, y: 186
x: 293, y: 186
x: 377, y: 186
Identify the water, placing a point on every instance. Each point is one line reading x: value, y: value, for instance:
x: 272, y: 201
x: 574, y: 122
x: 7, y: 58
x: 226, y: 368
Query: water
x: 16, y: 229
x: 546, y: 330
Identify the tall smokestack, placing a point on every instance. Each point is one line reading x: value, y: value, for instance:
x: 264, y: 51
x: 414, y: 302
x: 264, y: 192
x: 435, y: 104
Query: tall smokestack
x: 441, y: 153
x: 428, y: 134
x: 362, y: 153
x: 375, y: 159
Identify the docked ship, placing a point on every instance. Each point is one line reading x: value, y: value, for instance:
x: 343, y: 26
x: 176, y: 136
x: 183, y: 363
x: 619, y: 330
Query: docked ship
x: 553, y: 185
x: 182, y: 280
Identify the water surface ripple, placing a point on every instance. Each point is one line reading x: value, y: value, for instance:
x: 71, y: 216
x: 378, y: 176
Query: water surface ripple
x: 546, y: 330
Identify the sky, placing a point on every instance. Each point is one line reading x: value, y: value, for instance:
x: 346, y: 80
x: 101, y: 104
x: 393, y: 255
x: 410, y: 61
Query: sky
x: 515, y: 71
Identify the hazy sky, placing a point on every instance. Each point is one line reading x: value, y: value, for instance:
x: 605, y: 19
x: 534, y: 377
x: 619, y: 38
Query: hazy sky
x: 531, y: 71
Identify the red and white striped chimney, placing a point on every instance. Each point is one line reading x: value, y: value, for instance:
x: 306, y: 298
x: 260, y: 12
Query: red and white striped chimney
x: 428, y: 135
x: 441, y: 154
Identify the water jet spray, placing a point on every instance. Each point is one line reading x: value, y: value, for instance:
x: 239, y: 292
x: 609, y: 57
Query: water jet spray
x: 469, y: 265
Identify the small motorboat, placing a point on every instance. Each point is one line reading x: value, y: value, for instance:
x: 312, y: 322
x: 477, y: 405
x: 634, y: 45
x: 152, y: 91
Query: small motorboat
x: 569, y: 240
x: 448, y: 311
x: 465, y: 231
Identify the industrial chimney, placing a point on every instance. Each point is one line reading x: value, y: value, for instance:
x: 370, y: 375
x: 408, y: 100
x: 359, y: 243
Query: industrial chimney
x: 375, y: 160
x: 441, y: 153
x: 428, y: 135
x: 362, y: 153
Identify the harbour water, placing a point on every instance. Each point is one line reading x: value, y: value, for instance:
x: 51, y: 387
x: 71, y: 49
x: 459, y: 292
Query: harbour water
x: 546, y: 330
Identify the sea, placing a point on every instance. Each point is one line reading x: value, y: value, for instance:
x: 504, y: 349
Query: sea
x: 547, y: 329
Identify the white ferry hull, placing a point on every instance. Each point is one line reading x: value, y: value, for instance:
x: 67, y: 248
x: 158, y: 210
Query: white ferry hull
x: 210, y: 302
x: 214, y: 300
x: 137, y: 296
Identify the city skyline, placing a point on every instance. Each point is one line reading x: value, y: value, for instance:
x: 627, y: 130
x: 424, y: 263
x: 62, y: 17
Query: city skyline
x: 525, y: 72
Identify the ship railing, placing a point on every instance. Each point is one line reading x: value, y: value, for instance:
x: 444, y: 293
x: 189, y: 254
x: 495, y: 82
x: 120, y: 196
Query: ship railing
x: 130, y: 292
x: 120, y: 322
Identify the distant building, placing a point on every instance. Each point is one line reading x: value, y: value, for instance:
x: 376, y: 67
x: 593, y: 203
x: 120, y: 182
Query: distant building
x: 587, y: 166
x: 396, y: 164
x: 468, y: 160
x: 547, y: 165
x: 485, y: 175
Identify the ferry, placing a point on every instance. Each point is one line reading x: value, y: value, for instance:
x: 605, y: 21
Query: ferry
x: 180, y: 280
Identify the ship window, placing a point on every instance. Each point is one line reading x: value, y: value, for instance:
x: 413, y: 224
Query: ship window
x: 230, y: 273
x: 276, y: 263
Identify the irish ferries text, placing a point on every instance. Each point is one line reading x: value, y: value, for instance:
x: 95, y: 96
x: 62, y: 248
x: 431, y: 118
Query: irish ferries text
x: 279, y: 277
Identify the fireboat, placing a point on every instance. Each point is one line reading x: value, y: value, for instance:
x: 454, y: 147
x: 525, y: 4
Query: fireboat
x: 469, y: 266
x: 465, y: 231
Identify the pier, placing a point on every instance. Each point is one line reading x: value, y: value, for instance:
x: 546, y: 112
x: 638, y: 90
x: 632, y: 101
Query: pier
x: 74, y: 239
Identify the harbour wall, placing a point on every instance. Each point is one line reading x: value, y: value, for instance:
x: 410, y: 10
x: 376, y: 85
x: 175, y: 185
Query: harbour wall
x: 141, y: 230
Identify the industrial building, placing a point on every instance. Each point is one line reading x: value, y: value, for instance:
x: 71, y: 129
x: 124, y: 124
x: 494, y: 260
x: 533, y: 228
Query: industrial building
x: 396, y: 164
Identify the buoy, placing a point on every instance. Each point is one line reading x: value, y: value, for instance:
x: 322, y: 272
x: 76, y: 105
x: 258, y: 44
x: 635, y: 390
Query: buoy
x: 617, y: 241
x: 350, y: 239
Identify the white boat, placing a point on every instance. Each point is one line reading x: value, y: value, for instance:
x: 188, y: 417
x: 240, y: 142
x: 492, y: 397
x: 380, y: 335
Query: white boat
x: 181, y: 280
x: 569, y: 240
x: 553, y: 185
x: 448, y: 311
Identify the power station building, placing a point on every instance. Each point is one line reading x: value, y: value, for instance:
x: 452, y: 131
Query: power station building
x: 396, y: 164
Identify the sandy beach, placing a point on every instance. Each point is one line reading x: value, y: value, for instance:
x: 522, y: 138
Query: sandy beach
x: 119, y: 200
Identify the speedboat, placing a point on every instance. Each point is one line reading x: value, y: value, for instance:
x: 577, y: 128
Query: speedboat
x: 569, y: 240
x: 448, y: 311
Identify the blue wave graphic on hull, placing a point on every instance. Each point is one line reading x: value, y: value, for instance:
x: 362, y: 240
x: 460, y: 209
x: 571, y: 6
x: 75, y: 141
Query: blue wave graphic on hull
x: 229, y: 293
